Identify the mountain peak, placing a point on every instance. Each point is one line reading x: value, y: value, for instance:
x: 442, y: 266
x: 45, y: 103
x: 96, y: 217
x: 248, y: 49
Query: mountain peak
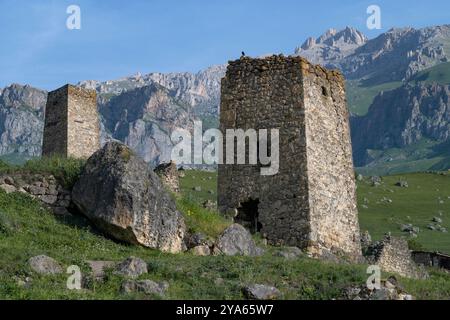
x: 332, y: 37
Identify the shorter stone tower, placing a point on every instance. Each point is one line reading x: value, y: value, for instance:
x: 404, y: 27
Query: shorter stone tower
x: 72, y: 127
x: 311, y: 201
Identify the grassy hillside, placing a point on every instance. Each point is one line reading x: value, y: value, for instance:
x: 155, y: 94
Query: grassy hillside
x: 439, y: 73
x: 422, y: 156
x: 360, y: 96
x: 27, y: 229
x: 427, y: 196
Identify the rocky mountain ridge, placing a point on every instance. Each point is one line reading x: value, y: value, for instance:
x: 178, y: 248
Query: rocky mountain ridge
x: 395, y: 55
x: 142, y: 110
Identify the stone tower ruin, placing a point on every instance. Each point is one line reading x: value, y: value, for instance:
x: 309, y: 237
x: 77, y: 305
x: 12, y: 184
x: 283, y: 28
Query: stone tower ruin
x: 72, y: 127
x: 311, y: 202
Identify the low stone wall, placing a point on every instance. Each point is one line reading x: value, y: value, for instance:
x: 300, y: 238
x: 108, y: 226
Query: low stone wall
x: 39, y: 186
x: 393, y: 255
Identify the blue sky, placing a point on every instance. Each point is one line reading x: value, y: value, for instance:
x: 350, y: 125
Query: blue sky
x: 120, y: 38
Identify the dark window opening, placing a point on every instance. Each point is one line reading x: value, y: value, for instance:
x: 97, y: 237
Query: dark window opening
x: 248, y: 216
x: 324, y: 91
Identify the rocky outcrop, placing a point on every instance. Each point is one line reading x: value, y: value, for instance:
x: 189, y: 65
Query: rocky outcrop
x: 168, y: 173
x: 402, y: 117
x: 199, y: 90
x: 125, y: 199
x: 21, y: 120
x: 392, y: 56
x: 144, y: 119
x: 331, y: 47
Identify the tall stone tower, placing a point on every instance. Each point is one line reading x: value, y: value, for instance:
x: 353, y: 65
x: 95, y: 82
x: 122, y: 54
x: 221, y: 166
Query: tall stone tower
x: 72, y: 127
x: 311, y: 202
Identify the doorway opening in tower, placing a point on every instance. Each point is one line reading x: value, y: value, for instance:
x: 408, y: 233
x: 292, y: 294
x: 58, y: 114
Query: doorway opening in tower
x: 248, y: 215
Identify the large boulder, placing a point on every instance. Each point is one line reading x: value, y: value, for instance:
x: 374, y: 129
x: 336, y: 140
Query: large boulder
x: 119, y: 193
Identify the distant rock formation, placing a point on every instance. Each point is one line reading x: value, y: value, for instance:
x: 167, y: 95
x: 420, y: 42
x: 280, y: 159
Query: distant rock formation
x: 402, y: 117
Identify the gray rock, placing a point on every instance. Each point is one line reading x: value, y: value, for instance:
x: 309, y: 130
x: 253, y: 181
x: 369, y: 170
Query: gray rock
x: 366, y: 239
x: 375, y: 180
x: 44, y: 265
x: 197, y: 239
x: 49, y: 199
x: 406, y: 227
x: 8, y: 180
x: 210, y: 205
x: 236, y: 240
x: 198, y: 189
x: 289, y: 253
x: 8, y: 188
x: 145, y: 286
x: 437, y: 220
x: 260, y: 292
x: 384, y: 294
x: 132, y: 267
x: 402, y: 184
x: 125, y: 199
x: 201, y: 251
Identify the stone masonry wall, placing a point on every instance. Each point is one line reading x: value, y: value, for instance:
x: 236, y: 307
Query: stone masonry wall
x: 267, y: 94
x: 393, y: 255
x: 83, y: 123
x: 332, y: 189
x: 55, y: 127
x: 310, y: 203
x: 72, y: 125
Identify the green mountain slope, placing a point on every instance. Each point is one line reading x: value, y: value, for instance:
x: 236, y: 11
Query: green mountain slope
x: 439, y: 73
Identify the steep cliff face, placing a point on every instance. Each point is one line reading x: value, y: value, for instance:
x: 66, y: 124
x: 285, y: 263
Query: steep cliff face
x: 21, y: 120
x: 200, y: 90
x: 144, y: 119
x: 402, y: 117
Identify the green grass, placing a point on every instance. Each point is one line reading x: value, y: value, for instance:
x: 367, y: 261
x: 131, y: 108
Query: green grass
x: 422, y: 156
x: 416, y: 205
x: 437, y: 74
x: 360, y: 96
x: 33, y: 231
x: 205, y: 179
x: 27, y: 229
